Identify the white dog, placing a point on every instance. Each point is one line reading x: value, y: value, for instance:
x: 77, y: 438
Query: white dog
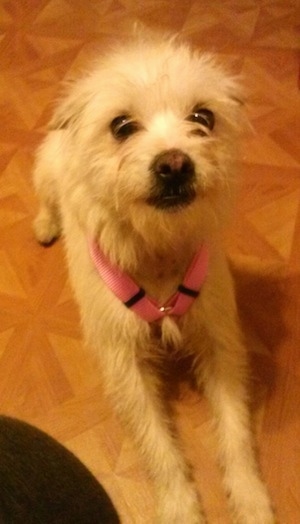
x: 138, y: 173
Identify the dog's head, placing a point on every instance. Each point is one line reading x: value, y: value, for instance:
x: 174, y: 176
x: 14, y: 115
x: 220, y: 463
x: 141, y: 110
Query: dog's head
x: 152, y: 133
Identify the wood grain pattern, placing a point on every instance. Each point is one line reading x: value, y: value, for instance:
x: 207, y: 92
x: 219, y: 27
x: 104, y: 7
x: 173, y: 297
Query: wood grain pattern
x: 46, y: 375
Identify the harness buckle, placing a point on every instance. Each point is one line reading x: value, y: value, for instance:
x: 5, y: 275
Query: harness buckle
x: 165, y: 309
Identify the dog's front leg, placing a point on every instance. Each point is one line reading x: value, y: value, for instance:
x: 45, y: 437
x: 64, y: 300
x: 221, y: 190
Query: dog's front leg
x: 135, y: 393
x: 224, y: 375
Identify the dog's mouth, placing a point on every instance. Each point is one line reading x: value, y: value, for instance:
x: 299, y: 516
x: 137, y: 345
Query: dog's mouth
x: 172, y: 198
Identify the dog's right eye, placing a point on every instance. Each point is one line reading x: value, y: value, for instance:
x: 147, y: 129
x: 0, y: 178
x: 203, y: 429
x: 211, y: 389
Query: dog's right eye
x: 204, y: 117
x: 123, y: 126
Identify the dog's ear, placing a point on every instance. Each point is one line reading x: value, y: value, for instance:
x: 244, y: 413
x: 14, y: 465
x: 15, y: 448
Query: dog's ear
x: 69, y: 109
x: 65, y: 116
x: 238, y: 100
x: 58, y: 121
x: 235, y: 106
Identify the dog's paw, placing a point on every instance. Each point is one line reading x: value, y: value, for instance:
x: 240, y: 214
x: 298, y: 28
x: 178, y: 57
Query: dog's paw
x: 257, y: 517
x: 181, y: 508
x: 255, y: 509
x: 46, y: 227
x: 183, y: 516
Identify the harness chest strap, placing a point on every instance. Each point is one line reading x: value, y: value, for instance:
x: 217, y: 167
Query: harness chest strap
x: 135, y: 298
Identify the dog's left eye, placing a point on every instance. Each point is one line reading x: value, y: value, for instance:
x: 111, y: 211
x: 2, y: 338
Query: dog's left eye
x: 123, y: 126
x: 202, y: 116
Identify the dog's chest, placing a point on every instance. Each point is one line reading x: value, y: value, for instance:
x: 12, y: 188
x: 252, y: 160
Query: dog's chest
x: 161, y: 276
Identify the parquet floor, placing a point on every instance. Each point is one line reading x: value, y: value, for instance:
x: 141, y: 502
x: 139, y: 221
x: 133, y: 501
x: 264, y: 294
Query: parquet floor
x: 46, y: 376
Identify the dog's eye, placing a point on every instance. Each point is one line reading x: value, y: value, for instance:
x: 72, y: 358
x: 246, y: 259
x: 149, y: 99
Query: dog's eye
x: 203, y: 117
x: 123, y: 126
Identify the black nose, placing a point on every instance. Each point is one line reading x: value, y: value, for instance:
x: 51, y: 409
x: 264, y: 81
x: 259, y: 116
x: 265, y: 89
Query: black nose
x: 173, y: 166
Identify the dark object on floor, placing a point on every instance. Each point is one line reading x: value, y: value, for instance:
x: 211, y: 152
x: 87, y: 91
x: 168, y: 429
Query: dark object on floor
x: 41, y: 482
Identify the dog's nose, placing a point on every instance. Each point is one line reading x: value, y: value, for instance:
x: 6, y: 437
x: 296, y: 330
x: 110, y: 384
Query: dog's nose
x: 173, y: 166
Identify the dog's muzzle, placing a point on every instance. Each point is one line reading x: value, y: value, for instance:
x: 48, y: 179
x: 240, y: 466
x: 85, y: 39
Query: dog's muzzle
x: 173, y: 175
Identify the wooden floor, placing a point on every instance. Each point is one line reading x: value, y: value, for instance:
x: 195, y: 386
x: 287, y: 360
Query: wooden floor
x: 46, y: 376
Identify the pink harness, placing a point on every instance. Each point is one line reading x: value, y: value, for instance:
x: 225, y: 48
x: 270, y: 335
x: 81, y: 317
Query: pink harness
x: 135, y: 298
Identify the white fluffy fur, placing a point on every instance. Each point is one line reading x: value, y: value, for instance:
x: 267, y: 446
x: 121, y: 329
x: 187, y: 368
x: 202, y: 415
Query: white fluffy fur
x: 91, y: 185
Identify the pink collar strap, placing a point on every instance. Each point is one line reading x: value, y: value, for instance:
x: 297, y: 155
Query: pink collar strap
x: 135, y: 298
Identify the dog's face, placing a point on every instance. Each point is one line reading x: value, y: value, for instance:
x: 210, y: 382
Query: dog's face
x: 153, y: 130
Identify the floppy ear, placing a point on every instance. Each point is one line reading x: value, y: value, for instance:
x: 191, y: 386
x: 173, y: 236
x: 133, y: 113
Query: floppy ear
x: 238, y: 100
x: 69, y: 108
x: 59, y: 120
x: 235, y: 105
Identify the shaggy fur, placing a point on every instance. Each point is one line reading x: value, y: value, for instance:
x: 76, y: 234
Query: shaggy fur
x: 97, y: 177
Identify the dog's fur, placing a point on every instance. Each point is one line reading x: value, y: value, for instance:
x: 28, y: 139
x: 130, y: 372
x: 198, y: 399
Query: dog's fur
x: 96, y: 183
